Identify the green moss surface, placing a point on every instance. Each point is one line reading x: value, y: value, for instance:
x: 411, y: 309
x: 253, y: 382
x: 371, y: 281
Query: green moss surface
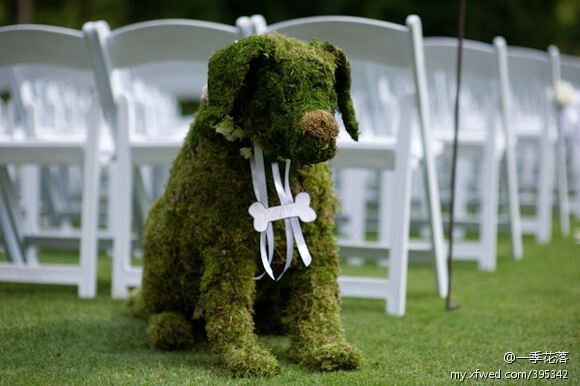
x: 201, y: 251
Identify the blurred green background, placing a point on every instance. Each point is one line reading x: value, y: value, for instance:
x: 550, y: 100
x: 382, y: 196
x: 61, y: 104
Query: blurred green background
x: 531, y: 23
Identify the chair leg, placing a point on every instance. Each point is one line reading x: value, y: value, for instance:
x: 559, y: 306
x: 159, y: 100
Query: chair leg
x: 489, y: 209
x: 122, y: 229
x: 545, y: 186
x: 434, y: 217
x: 9, y: 230
x: 90, y: 211
x: 385, y: 211
x: 399, y: 253
x: 141, y: 202
x: 385, y: 206
x: 398, y: 264
x: 489, y: 202
x: 513, y: 200
x: 575, y: 207
x: 123, y: 208
x: 31, y: 201
x: 562, y: 172
x: 51, y: 200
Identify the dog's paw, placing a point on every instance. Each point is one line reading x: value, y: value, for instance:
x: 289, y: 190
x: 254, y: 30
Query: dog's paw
x: 252, y: 361
x: 334, y: 356
x: 170, y: 331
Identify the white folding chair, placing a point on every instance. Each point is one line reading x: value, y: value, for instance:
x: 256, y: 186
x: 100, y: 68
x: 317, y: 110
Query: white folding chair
x: 570, y: 66
x: 484, y: 139
x: 396, y: 50
x: 166, y: 55
x: 532, y: 76
x: 30, y: 52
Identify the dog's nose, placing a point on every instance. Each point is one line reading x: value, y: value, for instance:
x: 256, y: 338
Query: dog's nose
x: 317, y: 142
x: 319, y: 123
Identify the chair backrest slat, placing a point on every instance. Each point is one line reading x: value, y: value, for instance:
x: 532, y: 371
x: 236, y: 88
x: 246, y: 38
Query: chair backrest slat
x: 479, y: 59
x: 570, y: 69
x: 527, y: 64
x: 41, y: 44
x: 171, y: 39
x: 353, y: 35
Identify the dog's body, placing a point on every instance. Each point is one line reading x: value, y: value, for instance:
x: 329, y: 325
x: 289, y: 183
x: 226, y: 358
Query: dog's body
x: 201, y: 251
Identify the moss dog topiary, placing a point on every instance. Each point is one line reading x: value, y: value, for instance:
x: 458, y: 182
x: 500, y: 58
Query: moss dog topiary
x: 201, y: 254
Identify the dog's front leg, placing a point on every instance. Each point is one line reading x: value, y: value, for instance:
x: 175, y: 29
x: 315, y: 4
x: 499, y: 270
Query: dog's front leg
x: 313, y: 313
x: 227, y: 297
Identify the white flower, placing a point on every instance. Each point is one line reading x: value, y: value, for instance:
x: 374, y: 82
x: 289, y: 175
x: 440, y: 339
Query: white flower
x: 226, y: 127
x: 229, y: 130
x: 564, y: 94
x: 246, y: 152
x: 237, y: 133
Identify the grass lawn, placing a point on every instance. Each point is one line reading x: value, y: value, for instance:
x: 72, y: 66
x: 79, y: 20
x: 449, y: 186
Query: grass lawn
x: 50, y: 337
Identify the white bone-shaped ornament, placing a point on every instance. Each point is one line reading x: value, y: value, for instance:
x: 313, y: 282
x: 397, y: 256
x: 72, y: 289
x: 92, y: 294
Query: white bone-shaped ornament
x: 300, y: 208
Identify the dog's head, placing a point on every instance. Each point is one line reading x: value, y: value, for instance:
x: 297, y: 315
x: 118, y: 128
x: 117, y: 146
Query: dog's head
x: 282, y: 93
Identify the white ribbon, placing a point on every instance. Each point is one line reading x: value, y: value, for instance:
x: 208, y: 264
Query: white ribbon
x: 293, y: 229
x: 285, y: 196
x: 261, y: 192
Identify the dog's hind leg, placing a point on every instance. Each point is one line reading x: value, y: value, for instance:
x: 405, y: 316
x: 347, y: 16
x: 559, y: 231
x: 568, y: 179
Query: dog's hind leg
x: 227, y: 298
x: 170, y: 330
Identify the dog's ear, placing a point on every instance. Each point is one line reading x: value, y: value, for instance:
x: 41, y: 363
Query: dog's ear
x: 342, y: 86
x: 227, y: 71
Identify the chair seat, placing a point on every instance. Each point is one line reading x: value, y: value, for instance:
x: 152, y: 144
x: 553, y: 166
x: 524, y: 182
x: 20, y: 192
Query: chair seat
x: 470, y: 141
x: 379, y: 153
x: 531, y: 133
x: 155, y: 152
x: 364, y: 287
x: 419, y: 251
x: 65, y: 240
x: 42, y: 152
x: 465, y: 137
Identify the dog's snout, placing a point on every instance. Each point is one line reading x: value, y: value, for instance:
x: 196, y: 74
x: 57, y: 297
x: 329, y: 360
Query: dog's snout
x: 317, y: 141
x: 319, y: 123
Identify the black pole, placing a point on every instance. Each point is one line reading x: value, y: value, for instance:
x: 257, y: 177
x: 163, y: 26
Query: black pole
x: 460, y: 34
